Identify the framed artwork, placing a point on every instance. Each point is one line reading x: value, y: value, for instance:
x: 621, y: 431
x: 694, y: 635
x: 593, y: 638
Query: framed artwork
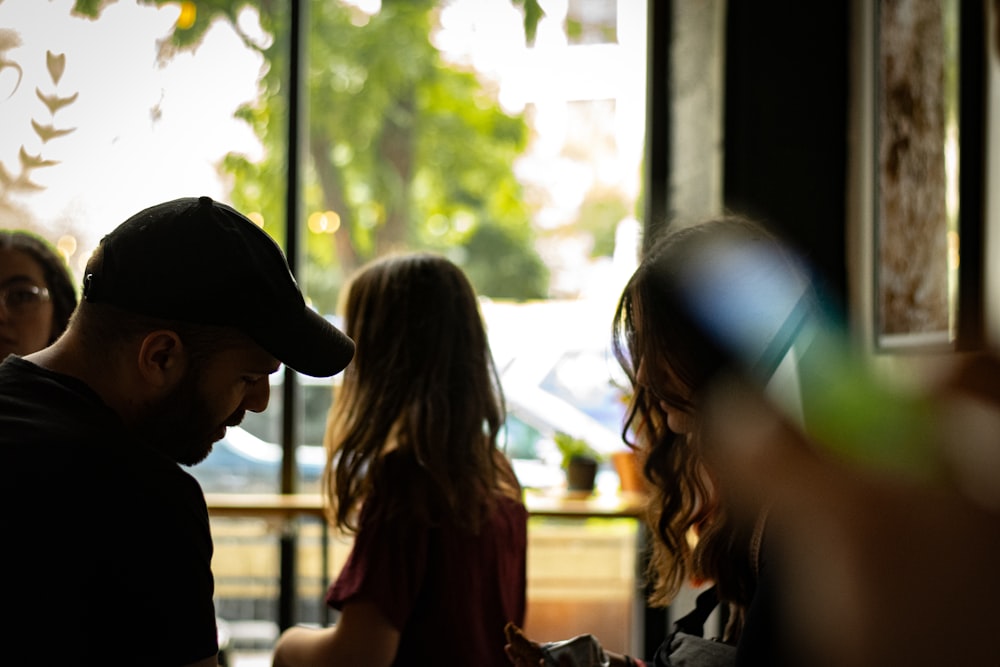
x: 928, y: 171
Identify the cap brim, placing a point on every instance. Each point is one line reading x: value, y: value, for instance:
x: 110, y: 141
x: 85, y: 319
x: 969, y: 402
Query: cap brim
x: 311, y: 346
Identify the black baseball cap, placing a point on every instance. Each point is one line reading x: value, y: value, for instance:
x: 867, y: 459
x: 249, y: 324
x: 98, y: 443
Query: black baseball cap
x: 198, y: 261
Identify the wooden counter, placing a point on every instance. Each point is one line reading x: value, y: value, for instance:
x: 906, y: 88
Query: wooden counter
x: 276, y: 505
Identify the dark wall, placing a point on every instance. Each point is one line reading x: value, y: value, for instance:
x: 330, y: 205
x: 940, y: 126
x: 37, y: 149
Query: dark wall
x: 786, y: 124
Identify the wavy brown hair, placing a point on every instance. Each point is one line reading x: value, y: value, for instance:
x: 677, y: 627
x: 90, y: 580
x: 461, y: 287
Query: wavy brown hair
x: 669, y: 360
x: 420, y: 406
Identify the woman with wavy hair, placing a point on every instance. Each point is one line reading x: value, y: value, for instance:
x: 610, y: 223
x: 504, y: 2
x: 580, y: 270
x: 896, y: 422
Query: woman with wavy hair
x: 415, y: 472
x: 670, y: 362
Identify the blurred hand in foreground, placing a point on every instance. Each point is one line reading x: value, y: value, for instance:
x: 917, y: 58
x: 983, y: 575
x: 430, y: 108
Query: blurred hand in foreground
x: 874, y: 568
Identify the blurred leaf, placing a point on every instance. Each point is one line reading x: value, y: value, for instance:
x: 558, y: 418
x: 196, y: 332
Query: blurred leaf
x: 10, y: 64
x: 56, y: 64
x: 23, y: 183
x: 54, y: 102
x: 91, y: 9
x: 533, y: 13
x: 9, y: 39
x: 6, y: 179
x: 47, y: 132
x: 33, y: 161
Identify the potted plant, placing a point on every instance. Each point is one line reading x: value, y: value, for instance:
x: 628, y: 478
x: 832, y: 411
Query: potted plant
x: 630, y: 475
x: 580, y: 462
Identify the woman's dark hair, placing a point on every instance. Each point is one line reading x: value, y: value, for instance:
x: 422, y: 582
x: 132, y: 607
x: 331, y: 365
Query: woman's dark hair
x: 420, y: 406
x: 58, y: 278
x: 669, y: 360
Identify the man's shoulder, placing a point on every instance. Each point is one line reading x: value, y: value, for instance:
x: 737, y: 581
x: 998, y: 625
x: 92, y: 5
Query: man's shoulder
x: 15, y: 369
x: 30, y: 394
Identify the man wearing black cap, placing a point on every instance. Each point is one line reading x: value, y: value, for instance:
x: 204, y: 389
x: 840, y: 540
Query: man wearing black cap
x: 187, y: 308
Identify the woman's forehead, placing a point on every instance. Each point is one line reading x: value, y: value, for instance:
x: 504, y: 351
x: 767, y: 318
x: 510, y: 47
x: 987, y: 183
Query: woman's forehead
x: 17, y: 266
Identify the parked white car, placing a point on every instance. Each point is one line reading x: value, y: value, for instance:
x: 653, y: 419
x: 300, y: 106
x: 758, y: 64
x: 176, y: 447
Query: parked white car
x: 556, y: 370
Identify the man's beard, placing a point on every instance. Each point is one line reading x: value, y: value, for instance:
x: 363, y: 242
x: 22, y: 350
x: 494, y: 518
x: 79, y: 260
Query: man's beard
x: 182, y: 425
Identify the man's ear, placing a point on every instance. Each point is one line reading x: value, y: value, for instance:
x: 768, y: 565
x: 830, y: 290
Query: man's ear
x: 162, y: 359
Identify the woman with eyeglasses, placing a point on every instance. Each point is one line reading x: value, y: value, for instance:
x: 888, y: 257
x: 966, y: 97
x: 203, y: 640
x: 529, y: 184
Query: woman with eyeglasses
x: 37, y: 295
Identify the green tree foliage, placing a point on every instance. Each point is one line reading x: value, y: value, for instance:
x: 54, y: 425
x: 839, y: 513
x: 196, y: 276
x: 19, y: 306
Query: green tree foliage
x: 406, y: 150
x: 599, y: 216
x: 497, y: 265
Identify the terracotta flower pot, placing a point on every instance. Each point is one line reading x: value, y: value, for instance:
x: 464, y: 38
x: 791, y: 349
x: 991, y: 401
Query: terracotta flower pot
x: 629, y: 473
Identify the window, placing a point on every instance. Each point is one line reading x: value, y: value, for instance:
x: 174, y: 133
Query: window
x: 431, y: 125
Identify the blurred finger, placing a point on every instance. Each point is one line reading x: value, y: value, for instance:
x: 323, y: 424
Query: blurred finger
x: 874, y: 568
x: 748, y: 442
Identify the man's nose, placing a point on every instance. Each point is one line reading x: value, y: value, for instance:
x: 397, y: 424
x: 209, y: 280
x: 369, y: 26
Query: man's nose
x: 257, y: 398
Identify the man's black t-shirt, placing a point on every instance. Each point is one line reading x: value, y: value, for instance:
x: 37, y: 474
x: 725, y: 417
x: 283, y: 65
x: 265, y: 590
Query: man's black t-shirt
x: 107, y: 544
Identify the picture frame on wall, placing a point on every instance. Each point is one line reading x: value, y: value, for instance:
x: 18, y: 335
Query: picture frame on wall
x: 928, y: 128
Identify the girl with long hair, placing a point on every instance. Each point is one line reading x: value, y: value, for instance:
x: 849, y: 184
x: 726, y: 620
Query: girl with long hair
x: 415, y: 472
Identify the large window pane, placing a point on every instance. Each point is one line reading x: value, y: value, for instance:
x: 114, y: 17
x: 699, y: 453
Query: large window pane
x: 435, y: 125
x: 430, y: 125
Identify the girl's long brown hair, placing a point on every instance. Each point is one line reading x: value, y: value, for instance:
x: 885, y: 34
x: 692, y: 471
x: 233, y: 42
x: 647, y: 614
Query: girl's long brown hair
x: 667, y: 359
x: 420, y: 406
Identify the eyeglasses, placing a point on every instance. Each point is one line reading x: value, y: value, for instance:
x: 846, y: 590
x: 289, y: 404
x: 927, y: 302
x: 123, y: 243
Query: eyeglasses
x: 23, y: 298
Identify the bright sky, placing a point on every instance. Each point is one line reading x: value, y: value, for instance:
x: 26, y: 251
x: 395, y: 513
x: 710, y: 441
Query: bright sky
x: 139, y: 121
x: 156, y: 132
